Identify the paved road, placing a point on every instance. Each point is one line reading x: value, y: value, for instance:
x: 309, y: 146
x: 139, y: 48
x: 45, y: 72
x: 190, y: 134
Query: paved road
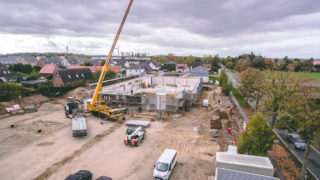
x: 313, y: 162
x: 231, y: 77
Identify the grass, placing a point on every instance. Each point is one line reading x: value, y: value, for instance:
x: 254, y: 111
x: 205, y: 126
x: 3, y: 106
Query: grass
x: 243, y: 103
x: 314, y: 75
x: 212, y: 78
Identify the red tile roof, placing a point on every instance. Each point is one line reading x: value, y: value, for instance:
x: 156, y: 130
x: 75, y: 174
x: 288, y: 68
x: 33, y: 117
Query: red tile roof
x: 48, y: 69
x: 316, y: 63
x: 181, y: 66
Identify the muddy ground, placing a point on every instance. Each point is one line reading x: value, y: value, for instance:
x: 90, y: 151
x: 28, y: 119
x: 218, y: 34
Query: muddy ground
x: 54, y: 153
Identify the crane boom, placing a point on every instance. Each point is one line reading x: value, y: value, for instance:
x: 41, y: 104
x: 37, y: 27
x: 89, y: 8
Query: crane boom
x: 91, y: 106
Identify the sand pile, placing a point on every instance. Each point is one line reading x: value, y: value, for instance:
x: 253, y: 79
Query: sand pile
x: 34, y: 100
x: 77, y: 94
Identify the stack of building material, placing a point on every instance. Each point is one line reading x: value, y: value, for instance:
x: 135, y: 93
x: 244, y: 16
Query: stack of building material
x: 215, y: 122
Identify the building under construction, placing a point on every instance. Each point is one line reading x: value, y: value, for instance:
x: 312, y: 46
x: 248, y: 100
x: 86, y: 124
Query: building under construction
x: 166, y: 92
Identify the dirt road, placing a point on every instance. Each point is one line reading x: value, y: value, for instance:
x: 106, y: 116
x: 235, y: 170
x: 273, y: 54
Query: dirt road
x: 54, y: 154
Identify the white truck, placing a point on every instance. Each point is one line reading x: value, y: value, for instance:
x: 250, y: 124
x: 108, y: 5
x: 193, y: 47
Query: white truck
x: 79, y: 126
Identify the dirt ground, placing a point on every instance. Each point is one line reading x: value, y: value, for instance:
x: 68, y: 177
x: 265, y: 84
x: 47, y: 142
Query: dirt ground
x: 54, y: 153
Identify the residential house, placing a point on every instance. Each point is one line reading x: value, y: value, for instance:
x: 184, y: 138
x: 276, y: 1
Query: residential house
x: 64, y: 76
x: 170, y: 65
x: 146, y: 67
x: 207, y: 66
x: 134, y: 70
x: 155, y: 66
x: 182, y: 68
x: 54, y: 60
x: 48, y: 69
x: 200, y: 71
x: 70, y: 61
x: 9, y: 60
x: 98, y: 68
x: 8, y: 76
x: 28, y: 60
x: 316, y: 63
x: 42, y: 61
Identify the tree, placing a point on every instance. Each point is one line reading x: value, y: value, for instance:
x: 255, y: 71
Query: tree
x: 277, y: 91
x: 223, y: 81
x: 304, y: 113
x: 190, y: 59
x: 214, y: 63
x: 87, y: 64
x: 229, y: 65
x: 257, y: 138
x: 242, y: 65
x: 109, y: 75
x: 252, y: 81
x: 34, y: 75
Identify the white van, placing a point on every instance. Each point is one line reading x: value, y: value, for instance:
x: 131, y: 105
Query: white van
x: 165, y: 164
x: 205, y: 103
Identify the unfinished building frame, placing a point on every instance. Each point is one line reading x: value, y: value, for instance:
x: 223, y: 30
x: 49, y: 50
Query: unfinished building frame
x: 176, y: 92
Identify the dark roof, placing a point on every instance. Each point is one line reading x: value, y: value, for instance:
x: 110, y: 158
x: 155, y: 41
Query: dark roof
x: 54, y: 60
x: 134, y: 67
x: 146, y: 66
x: 199, y: 71
x: 156, y: 63
x: 170, y: 63
x: 71, y: 75
x: 84, y: 59
x: 32, y: 82
x: 30, y: 59
x: 227, y: 174
x: 5, y: 72
x: 72, y: 59
x: 10, y: 60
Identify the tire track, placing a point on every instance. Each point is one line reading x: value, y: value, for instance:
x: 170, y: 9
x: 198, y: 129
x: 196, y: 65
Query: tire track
x: 56, y: 166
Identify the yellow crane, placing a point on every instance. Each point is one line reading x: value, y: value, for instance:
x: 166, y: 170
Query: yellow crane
x: 98, y: 107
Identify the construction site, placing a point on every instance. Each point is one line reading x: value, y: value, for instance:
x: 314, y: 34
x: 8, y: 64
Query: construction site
x: 53, y: 153
x: 164, y: 92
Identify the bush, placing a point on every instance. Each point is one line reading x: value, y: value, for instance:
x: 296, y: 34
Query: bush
x: 10, y: 90
x: 243, y: 103
x: 49, y: 90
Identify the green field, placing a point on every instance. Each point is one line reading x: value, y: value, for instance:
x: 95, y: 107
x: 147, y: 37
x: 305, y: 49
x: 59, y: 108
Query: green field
x: 314, y: 75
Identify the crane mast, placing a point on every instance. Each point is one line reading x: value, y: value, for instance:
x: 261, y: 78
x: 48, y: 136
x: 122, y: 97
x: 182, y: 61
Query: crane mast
x: 92, y: 106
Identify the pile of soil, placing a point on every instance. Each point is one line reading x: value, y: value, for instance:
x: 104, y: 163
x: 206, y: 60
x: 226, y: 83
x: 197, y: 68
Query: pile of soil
x: 35, y: 100
x: 76, y: 94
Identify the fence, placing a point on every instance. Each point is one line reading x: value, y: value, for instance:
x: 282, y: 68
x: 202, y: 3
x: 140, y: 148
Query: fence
x: 242, y: 114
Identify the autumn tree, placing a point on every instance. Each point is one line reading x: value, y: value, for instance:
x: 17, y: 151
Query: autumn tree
x: 304, y: 113
x: 277, y: 93
x: 257, y: 138
x: 242, y: 65
x: 215, y: 63
x: 252, y: 81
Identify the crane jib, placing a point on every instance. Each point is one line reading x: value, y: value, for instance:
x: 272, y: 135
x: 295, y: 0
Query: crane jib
x: 105, y: 68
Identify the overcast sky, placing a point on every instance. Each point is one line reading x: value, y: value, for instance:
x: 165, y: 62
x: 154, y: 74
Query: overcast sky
x: 272, y: 28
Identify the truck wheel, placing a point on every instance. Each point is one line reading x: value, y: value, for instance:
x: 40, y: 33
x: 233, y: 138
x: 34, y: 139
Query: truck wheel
x: 142, y: 137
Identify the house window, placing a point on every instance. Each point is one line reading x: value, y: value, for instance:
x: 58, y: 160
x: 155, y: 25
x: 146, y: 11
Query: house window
x: 77, y: 75
x: 69, y: 76
x: 82, y: 75
x: 8, y: 72
x: 4, y: 72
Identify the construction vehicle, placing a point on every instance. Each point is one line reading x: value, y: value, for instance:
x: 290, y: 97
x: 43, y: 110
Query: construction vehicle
x: 134, y: 136
x: 71, y: 109
x: 98, y: 107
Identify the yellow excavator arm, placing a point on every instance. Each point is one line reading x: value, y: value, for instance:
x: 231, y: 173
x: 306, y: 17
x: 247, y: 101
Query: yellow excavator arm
x: 98, y: 107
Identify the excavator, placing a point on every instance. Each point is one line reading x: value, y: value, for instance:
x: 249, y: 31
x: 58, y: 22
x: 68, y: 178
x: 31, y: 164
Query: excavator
x: 96, y: 106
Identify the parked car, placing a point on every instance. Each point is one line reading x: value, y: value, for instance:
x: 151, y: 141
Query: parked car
x: 104, y: 178
x: 297, y: 141
x: 80, y: 175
